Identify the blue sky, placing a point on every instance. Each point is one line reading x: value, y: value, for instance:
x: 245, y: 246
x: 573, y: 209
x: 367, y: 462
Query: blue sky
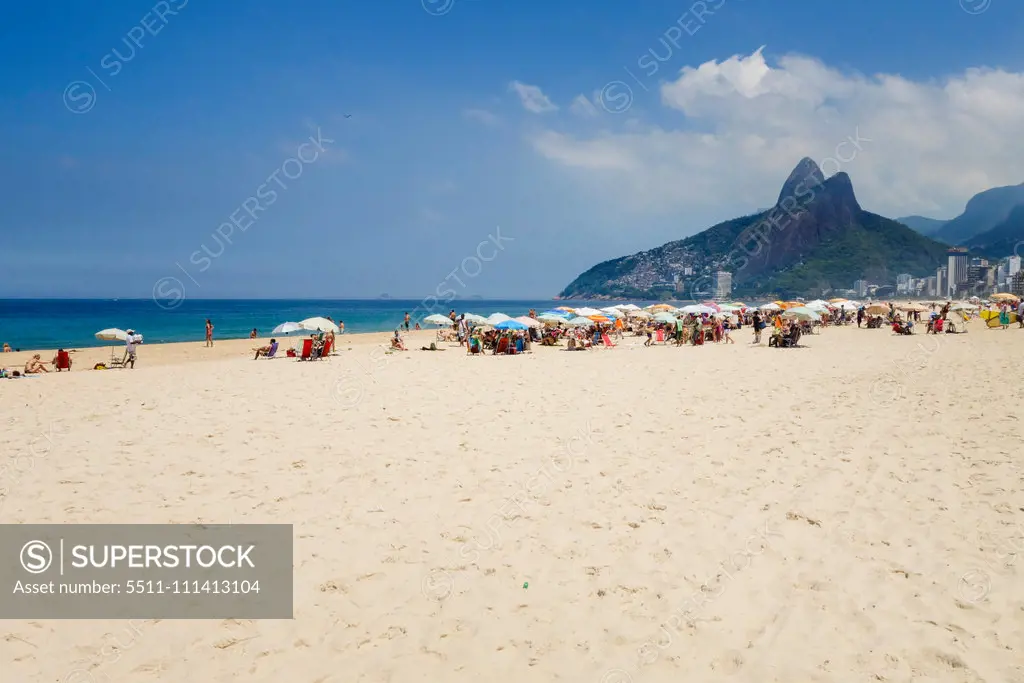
x: 189, y: 121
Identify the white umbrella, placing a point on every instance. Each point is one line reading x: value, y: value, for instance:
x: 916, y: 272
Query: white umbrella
x: 640, y: 314
x: 960, y: 306
x: 665, y: 317
x: 585, y: 312
x: 628, y: 307
x: 552, y: 319
x: 613, y: 312
x: 771, y: 307
x: 112, y: 334
x: 800, y: 313
x: 286, y: 328
x: 528, y: 321
x: 318, y: 324
x: 495, y: 318
x: 475, y: 319
x: 817, y: 306
x: 697, y: 309
x: 580, y: 321
x: 438, y: 319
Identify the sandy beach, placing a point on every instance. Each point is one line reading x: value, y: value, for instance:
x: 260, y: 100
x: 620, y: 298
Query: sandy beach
x: 848, y: 511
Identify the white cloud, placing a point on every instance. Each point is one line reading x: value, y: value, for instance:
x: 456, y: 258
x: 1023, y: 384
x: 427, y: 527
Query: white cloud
x: 482, y: 116
x: 924, y: 146
x: 532, y: 98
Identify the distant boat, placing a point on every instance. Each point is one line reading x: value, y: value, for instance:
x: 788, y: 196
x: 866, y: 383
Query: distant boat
x: 384, y: 296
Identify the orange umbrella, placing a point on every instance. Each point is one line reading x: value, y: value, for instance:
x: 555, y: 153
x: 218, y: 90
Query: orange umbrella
x: 600, y: 318
x: 565, y: 308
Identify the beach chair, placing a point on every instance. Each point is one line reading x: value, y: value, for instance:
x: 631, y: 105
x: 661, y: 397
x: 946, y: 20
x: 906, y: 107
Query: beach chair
x: 268, y: 354
x: 502, y: 346
x: 63, y: 361
x: 659, y: 335
x: 115, y: 360
x: 307, y: 349
x: 607, y: 341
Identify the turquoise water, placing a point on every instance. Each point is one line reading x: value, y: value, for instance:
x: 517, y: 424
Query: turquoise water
x: 53, y: 323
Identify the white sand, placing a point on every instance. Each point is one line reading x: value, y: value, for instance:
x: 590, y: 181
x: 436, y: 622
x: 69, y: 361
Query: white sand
x: 679, y: 514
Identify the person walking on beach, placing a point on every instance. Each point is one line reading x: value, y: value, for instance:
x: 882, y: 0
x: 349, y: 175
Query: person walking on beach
x: 758, y: 326
x: 407, y: 321
x: 860, y: 316
x: 463, y: 331
x: 209, y: 333
x: 1020, y: 314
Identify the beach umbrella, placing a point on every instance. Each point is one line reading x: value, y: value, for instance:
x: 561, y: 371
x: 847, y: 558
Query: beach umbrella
x: 438, y: 319
x: 713, y: 306
x: 557, y: 314
x: 564, y: 308
x: 961, y: 306
x: 600, y: 318
x: 1004, y: 296
x: 613, y: 312
x: 640, y: 314
x: 475, y: 319
x: 495, y: 318
x: 551, y: 319
x: 801, y: 313
x: 318, y: 325
x: 654, y: 308
x: 665, y: 317
x: 628, y: 307
x: 528, y: 321
x: 585, y: 311
x: 285, y: 328
x: 580, y: 322
x: 112, y: 334
x: 509, y: 324
x: 912, y: 308
x: 771, y: 307
x: 877, y: 309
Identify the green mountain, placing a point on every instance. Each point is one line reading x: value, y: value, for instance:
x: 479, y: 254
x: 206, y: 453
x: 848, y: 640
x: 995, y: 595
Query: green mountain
x: 983, y: 212
x: 816, y: 238
x: 922, y: 225
x: 1005, y: 239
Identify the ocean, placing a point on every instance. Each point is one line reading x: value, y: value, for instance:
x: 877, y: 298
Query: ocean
x: 72, y: 323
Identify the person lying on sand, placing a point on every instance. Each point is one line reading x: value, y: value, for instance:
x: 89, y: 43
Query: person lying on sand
x: 35, y: 366
x: 432, y: 347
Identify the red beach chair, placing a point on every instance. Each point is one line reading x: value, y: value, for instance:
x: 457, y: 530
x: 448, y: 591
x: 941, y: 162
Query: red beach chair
x: 326, y: 351
x: 307, y: 349
x: 607, y: 340
x: 63, y: 361
x: 659, y: 335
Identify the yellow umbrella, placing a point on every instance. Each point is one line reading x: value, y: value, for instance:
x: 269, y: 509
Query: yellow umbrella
x: 1004, y: 296
x: 661, y: 307
x: 877, y: 309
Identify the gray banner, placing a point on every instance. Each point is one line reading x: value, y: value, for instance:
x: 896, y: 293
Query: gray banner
x: 144, y: 571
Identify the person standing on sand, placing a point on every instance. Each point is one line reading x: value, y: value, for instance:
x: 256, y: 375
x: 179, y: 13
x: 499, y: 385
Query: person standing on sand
x: 407, y: 321
x: 129, y: 349
x: 341, y: 326
x: 1020, y: 314
x: 758, y: 326
x: 463, y: 331
x: 209, y: 333
x: 253, y: 334
x: 1004, y: 316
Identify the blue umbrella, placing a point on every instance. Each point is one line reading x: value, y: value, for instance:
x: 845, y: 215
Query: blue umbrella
x: 560, y: 314
x: 510, y: 325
